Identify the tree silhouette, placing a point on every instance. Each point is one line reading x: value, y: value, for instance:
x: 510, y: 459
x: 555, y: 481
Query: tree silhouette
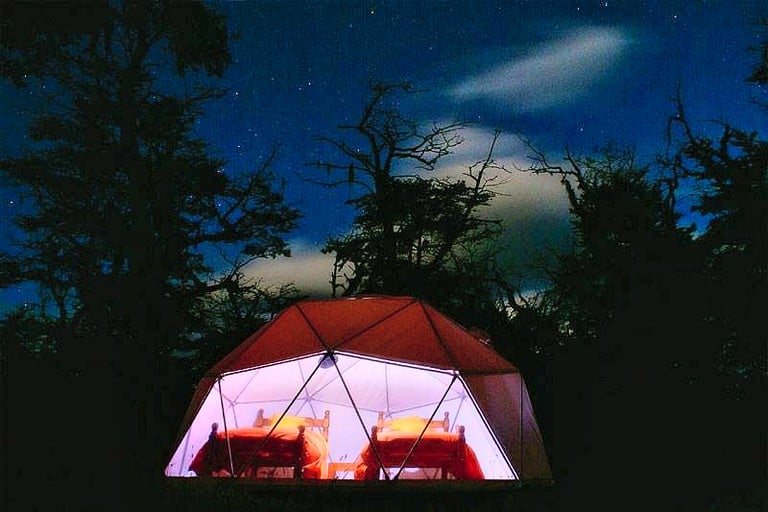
x: 627, y: 239
x: 136, y: 231
x: 414, y: 233
x: 626, y: 333
x: 732, y: 171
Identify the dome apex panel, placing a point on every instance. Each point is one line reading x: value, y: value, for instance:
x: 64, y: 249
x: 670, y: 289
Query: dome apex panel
x: 404, y: 336
x: 287, y: 336
x: 324, y: 315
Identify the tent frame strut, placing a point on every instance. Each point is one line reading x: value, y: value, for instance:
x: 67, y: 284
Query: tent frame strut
x: 258, y: 448
x: 226, y: 429
x: 346, y: 388
x: 423, y: 430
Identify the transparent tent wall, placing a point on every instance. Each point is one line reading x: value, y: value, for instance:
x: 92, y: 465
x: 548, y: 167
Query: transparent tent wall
x: 305, y: 387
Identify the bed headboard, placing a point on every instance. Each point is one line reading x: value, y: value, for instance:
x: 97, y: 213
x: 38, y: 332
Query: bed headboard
x: 444, y: 423
x: 322, y: 424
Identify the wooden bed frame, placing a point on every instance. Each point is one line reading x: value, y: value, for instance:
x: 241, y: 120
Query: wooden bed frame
x: 453, y: 457
x: 323, y: 423
x: 444, y: 423
x: 297, y: 463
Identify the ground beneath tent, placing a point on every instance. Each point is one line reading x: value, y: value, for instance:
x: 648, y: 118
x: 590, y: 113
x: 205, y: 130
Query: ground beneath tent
x: 245, y: 495
x: 205, y: 495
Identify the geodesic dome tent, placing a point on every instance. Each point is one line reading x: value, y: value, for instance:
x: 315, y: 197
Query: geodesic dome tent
x: 364, y: 363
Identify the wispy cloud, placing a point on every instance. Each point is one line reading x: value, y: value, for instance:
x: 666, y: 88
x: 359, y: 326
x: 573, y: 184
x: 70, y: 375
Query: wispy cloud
x: 517, y: 193
x: 534, y: 208
x: 551, y: 75
x: 307, y: 268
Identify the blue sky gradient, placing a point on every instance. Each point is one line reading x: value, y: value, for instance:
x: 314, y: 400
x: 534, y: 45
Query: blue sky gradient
x: 561, y: 74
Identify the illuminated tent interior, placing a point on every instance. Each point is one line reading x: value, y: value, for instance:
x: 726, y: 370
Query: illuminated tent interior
x: 396, y: 389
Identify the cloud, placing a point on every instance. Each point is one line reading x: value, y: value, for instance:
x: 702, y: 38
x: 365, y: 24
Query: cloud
x: 551, y: 75
x: 534, y: 208
x: 307, y: 268
x: 518, y: 193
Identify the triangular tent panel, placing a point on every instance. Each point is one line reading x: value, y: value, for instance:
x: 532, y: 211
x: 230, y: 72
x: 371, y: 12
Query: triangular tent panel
x: 403, y: 337
x: 396, y: 389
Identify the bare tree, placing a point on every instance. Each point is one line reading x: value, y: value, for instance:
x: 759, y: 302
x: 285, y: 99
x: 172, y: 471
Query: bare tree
x: 415, y: 233
x: 382, y: 147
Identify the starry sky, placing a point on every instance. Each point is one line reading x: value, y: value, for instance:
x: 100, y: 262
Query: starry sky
x: 575, y: 74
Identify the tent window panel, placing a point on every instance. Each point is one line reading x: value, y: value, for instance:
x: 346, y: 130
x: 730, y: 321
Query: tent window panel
x: 196, y: 435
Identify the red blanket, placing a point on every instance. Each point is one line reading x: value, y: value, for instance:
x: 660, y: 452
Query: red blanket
x: 279, y: 450
x: 435, y: 450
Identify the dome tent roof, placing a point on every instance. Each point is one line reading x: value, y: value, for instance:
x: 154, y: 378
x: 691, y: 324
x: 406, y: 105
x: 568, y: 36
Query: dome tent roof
x: 398, y: 328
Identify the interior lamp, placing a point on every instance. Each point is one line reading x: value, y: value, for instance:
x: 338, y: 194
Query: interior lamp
x: 328, y: 360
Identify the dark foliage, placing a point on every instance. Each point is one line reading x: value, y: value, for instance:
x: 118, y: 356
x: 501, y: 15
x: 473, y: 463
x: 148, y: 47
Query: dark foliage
x: 137, y: 237
x: 649, y: 335
x: 733, y: 174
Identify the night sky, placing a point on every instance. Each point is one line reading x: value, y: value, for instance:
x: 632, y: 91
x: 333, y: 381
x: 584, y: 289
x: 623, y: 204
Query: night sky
x: 561, y: 74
